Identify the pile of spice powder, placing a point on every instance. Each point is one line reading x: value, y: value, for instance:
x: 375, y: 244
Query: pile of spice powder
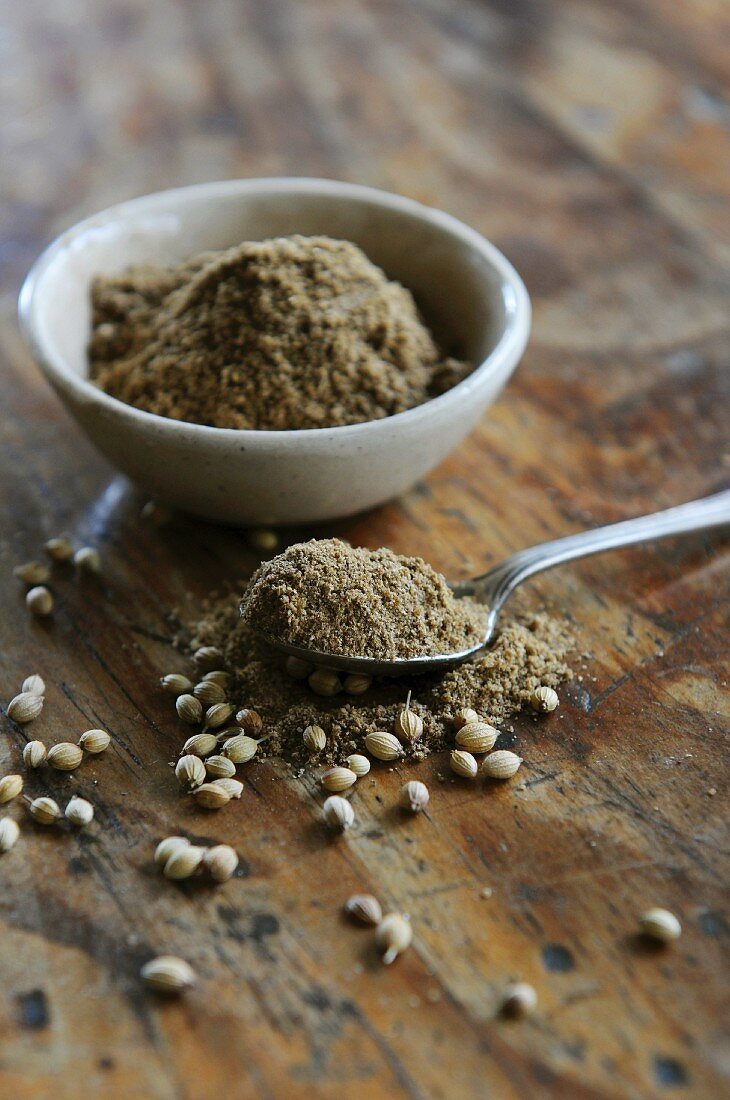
x: 531, y: 650
x: 293, y: 332
x: 328, y: 596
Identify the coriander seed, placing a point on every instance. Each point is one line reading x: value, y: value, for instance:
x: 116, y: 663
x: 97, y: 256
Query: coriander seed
x: 88, y: 560
x: 167, y: 975
x: 79, y: 811
x: 9, y: 833
x: 466, y: 714
x: 338, y: 779
x: 189, y: 709
x: 220, y: 767
x: 221, y: 861
x: 477, y: 737
x: 357, y: 684
x: 34, y: 754
x: 217, y: 715
x: 660, y: 925
x: 544, y: 700
x: 190, y: 772
x: 250, y: 721
x: 183, y: 862
x: 25, y: 707
x: 208, y: 692
x: 393, y: 935
x: 39, y: 601
x: 32, y: 573
x: 408, y: 726
x: 200, y: 744
x: 64, y: 757
x: 232, y: 787
x: 208, y: 658
x: 358, y: 764
x: 383, y: 746
x: 314, y: 739
x: 364, y: 908
x: 338, y: 813
x: 59, y: 549
x: 168, y: 846
x: 463, y: 764
x: 34, y: 685
x: 324, y: 682
x: 297, y: 668
x: 44, y: 810
x: 413, y: 796
x: 95, y: 741
x: 176, y: 684
x: 10, y: 787
x: 219, y: 677
x: 240, y: 749
x: 501, y: 764
x: 211, y: 796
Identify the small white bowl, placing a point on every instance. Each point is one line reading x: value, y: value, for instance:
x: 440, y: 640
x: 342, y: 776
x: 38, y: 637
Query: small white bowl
x: 464, y: 285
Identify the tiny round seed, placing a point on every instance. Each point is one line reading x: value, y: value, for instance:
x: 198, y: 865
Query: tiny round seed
x: 393, y: 935
x: 189, y: 709
x: 463, y: 764
x: 466, y: 714
x: 176, y: 684
x: 190, y: 772
x: 166, y: 847
x: 358, y: 764
x: 338, y: 779
x: 208, y: 658
x: 88, y: 559
x: 233, y: 787
x: 200, y: 744
x: 660, y: 925
x: 544, y: 700
x: 250, y: 721
x: 59, y: 549
x: 413, y: 796
x: 477, y: 737
x: 323, y: 682
x: 167, y: 975
x: 10, y: 787
x: 34, y: 754
x: 219, y: 677
x: 221, y: 861
x: 64, y: 757
x: 220, y: 767
x: 39, y: 600
x: 217, y: 715
x: 95, y: 741
x: 25, y: 707
x: 32, y: 572
x: 79, y: 811
x: 44, y: 810
x: 9, y: 833
x: 357, y: 684
x: 364, y: 908
x: 383, y: 746
x: 34, y: 685
x: 501, y: 764
x: 408, y: 725
x: 211, y: 796
x: 314, y: 739
x: 338, y: 813
x: 240, y: 749
x: 297, y: 668
x: 183, y: 862
x: 208, y: 692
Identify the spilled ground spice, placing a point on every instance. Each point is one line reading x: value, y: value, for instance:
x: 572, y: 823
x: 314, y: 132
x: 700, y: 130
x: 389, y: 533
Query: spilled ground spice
x: 329, y: 596
x: 531, y: 650
x: 294, y: 332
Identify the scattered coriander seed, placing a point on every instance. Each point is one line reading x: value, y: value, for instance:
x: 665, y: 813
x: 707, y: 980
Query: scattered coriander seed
x: 219, y: 677
x: 59, y: 549
x: 10, y: 787
x: 263, y: 539
x: 544, y: 699
x: 364, y: 908
x: 338, y: 779
x: 660, y: 925
x: 221, y: 861
x: 357, y: 684
x: 466, y: 714
x: 383, y: 746
x: 44, y: 810
x: 217, y: 715
x: 32, y: 573
x: 250, y: 721
x: 463, y: 764
x: 208, y: 692
x: 211, y: 796
x: 189, y: 709
x: 183, y: 862
x: 297, y: 668
x: 324, y: 682
x: 168, y: 846
x: 64, y: 757
x: 167, y: 975
x: 501, y: 764
x: 95, y: 741
x: 39, y: 601
x: 176, y: 684
x: 413, y: 796
x: 9, y: 833
x: 200, y: 744
x: 25, y: 707
x: 477, y: 737
x: 190, y: 772
x: 240, y: 749
x: 79, y: 811
x: 408, y: 726
x: 34, y: 753
x: 220, y: 767
x: 208, y: 658
x: 519, y: 999
x: 358, y: 764
x: 34, y: 685
x: 233, y: 787
x: 314, y: 739
x: 393, y: 935
x: 338, y: 813
x: 88, y: 559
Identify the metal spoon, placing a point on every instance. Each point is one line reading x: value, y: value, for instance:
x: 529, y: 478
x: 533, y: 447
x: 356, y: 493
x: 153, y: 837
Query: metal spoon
x: 494, y: 588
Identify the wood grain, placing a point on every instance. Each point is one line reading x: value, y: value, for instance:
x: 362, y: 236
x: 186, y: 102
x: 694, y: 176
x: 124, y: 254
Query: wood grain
x: 590, y: 141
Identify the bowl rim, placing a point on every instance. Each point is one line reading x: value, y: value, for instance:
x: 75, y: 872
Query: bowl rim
x: 504, y: 356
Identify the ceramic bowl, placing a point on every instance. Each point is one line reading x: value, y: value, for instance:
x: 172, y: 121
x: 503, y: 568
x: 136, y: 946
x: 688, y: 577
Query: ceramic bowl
x: 463, y: 284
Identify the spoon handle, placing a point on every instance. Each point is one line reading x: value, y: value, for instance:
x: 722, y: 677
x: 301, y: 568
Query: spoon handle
x: 697, y: 515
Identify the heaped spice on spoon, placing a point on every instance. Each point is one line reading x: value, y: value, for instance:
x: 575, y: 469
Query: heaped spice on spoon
x: 293, y: 332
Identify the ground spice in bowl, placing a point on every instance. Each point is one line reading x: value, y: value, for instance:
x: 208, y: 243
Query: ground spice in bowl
x: 289, y: 333
x: 329, y: 596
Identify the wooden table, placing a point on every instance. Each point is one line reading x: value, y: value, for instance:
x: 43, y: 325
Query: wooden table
x: 590, y: 142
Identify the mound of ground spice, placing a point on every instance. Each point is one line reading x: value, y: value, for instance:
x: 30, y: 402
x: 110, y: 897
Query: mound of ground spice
x: 328, y: 596
x: 530, y: 650
x: 294, y: 332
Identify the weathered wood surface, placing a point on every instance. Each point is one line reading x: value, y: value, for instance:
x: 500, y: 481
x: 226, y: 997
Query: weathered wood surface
x: 590, y: 141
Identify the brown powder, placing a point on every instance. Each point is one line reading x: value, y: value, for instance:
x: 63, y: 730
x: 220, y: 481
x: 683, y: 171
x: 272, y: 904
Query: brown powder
x: 295, y: 332
x: 530, y: 650
x: 326, y: 595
